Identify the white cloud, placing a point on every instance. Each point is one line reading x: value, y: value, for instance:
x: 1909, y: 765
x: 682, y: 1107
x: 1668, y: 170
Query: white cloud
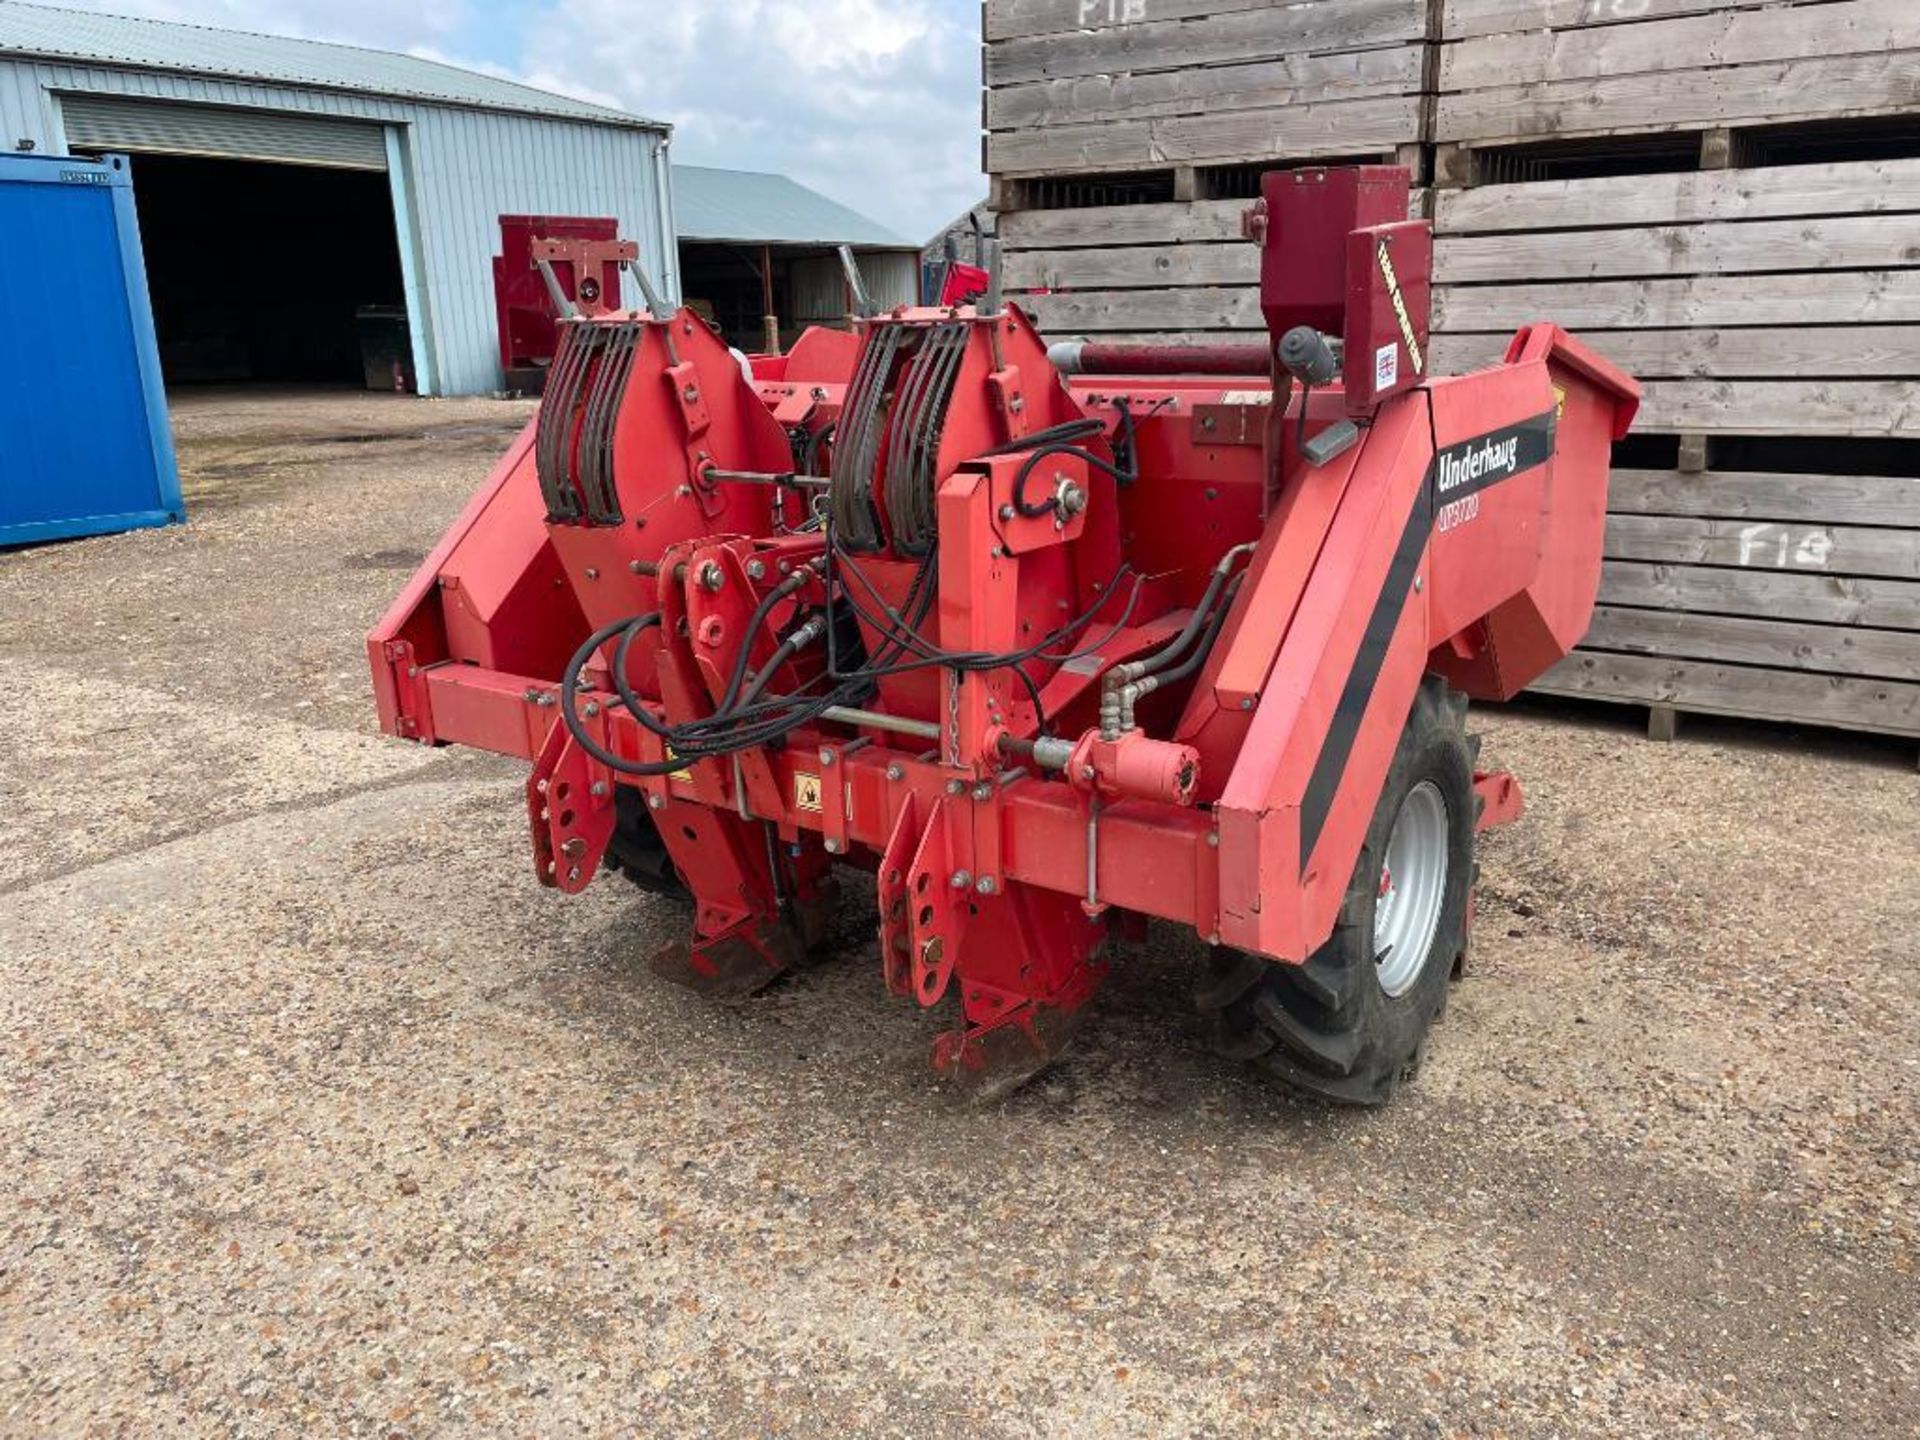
x: 873, y: 102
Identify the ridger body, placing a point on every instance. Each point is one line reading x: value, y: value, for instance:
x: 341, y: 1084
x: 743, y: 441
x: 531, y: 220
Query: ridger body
x: 1047, y: 645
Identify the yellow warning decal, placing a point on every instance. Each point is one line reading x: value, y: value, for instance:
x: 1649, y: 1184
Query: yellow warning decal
x: 682, y: 773
x: 1388, y: 274
x: 806, y: 790
x: 1559, y: 402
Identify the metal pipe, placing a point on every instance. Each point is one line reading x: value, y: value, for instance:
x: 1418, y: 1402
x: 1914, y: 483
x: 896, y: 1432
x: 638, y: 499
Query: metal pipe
x: 565, y: 307
x: 765, y: 477
x: 874, y: 720
x: 861, y: 304
x: 992, y: 301
x: 1093, y: 853
x: 656, y: 306
x: 1107, y: 357
x: 1049, y: 752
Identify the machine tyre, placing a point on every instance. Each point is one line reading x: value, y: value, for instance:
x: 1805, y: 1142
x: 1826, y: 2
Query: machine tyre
x: 1330, y: 1027
x: 636, y: 849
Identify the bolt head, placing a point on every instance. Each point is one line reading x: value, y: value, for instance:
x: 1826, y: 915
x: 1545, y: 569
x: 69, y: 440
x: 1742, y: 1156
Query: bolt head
x: 985, y: 885
x: 1213, y: 839
x: 826, y: 757
x: 954, y: 787
x: 712, y: 577
x: 756, y: 569
x: 593, y: 709
x: 833, y: 846
x: 1007, y: 512
x: 983, y: 791
x: 598, y: 788
x: 656, y: 802
x: 961, y: 879
x: 895, y: 772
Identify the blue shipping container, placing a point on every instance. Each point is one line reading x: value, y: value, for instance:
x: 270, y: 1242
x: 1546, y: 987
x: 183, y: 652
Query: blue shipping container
x: 83, y: 415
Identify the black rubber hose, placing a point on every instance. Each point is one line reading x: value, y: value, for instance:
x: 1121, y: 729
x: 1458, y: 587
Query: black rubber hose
x: 568, y: 685
x: 1196, y: 622
x: 1079, y: 429
x: 1200, y: 652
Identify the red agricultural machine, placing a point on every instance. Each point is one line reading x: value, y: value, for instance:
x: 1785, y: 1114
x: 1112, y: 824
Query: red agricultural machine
x: 1049, y: 643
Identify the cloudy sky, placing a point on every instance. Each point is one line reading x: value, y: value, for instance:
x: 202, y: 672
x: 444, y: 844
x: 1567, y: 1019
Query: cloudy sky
x: 874, y: 102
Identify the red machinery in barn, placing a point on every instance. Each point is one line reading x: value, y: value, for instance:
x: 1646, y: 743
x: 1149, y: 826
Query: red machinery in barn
x: 548, y: 266
x: 1048, y: 650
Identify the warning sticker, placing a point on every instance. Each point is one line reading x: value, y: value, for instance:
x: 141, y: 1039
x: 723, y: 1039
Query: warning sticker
x: 1386, y: 366
x: 806, y: 791
x: 682, y: 773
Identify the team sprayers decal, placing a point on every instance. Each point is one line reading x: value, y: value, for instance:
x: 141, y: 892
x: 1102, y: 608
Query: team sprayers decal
x: 1388, y: 274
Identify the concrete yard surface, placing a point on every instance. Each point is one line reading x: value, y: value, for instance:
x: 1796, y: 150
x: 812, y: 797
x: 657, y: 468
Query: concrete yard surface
x: 322, y: 1117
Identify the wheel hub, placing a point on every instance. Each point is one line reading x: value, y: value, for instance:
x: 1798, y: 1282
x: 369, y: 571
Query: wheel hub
x: 1413, y: 888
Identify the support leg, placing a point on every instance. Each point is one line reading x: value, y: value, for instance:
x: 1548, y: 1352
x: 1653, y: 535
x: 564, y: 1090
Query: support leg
x: 750, y: 906
x: 1029, y: 963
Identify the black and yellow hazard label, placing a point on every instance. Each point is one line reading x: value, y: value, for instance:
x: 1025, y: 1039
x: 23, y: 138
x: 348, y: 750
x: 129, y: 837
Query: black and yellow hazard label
x: 806, y: 791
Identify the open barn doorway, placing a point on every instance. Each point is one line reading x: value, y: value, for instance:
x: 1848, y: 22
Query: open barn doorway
x: 272, y: 272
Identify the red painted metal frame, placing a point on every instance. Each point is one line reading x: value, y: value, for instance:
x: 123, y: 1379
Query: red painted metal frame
x: 1461, y: 535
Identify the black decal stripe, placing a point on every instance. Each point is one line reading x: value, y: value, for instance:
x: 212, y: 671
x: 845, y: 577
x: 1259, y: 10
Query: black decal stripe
x: 1534, y: 448
x: 1324, y: 783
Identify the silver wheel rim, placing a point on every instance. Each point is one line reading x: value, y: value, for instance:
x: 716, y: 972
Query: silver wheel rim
x: 1413, y: 885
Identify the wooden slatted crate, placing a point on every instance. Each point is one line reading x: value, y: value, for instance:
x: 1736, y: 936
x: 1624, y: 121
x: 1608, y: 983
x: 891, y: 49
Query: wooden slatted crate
x: 1512, y: 70
x: 1723, y: 195
x: 1101, y: 85
x: 1125, y: 137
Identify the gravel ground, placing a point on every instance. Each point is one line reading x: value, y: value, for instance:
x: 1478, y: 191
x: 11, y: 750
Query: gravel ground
x: 322, y: 1117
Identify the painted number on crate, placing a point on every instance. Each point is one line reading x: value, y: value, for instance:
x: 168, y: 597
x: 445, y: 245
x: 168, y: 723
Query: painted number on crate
x: 1112, y: 12
x: 1785, y: 548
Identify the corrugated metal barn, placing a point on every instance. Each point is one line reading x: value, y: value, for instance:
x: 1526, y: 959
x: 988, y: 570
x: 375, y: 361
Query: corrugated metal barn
x: 293, y: 194
x: 758, y: 253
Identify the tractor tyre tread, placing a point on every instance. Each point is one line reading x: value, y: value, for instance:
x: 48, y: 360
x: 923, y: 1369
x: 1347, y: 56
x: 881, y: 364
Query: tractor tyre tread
x: 636, y: 850
x: 1326, y: 1026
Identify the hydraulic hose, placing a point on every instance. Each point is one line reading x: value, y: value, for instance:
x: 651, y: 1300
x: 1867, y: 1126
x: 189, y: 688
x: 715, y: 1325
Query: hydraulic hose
x: 569, y: 683
x: 1114, y: 711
